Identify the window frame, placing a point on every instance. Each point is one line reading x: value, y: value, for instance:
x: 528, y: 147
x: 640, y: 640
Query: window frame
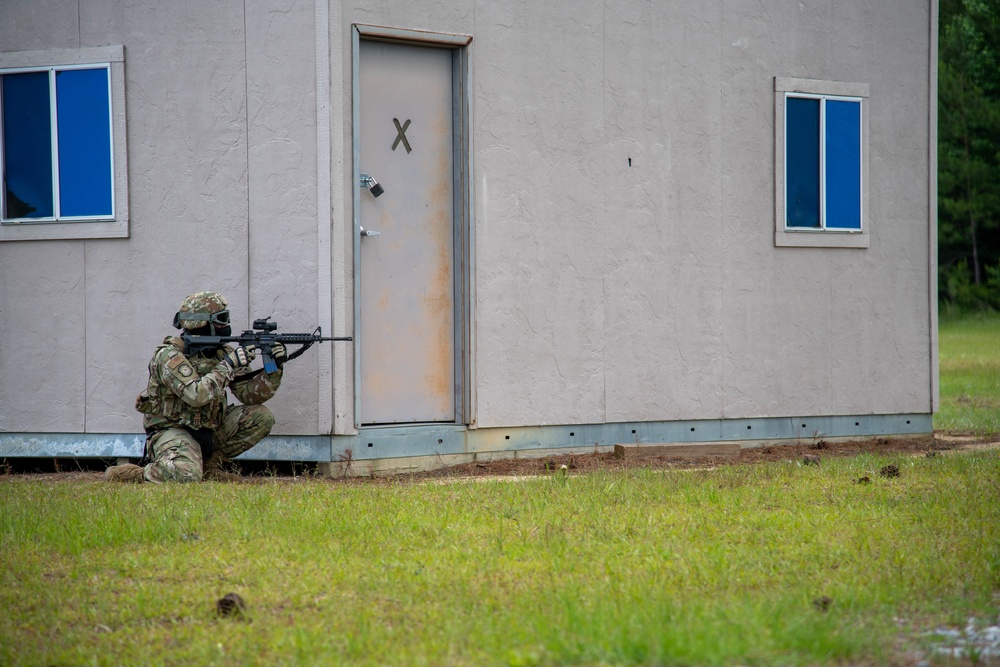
x: 823, y: 236
x: 89, y: 227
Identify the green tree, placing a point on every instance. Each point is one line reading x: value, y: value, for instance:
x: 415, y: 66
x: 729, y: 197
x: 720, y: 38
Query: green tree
x: 969, y: 152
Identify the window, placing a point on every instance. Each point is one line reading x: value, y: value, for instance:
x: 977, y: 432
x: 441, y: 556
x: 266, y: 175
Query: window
x: 62, y: 141
x: 821, y: 159
x: 56, y: 141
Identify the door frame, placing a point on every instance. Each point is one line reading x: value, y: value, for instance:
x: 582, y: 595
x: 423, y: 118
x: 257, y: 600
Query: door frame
x: 464, y: 255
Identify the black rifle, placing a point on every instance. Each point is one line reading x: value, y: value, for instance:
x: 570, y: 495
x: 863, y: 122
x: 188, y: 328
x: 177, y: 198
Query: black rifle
x: 263, y: 337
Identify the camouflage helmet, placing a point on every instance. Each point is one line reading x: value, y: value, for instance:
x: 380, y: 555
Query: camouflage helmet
x: 202, y: 308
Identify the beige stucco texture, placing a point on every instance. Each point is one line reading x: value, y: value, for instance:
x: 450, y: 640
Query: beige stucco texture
x: 623, y: 209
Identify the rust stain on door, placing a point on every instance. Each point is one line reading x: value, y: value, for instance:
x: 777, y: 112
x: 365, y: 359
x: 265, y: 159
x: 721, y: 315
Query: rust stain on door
x: 438, y: 301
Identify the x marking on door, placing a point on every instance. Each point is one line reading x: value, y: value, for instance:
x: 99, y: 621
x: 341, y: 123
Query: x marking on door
x: 401, y: 135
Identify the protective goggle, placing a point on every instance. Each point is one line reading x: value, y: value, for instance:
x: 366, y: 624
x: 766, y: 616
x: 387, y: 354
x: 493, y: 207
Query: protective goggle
x: 220, y: 318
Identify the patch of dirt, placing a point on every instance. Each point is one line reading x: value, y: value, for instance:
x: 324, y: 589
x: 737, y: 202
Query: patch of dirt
x: 581, y: 463
x: 939, y: 444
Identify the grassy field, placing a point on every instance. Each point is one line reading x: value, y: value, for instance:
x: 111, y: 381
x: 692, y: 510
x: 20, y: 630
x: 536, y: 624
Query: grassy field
x: 757, y: 565
x: 770, y: 564
x: 969, y: 350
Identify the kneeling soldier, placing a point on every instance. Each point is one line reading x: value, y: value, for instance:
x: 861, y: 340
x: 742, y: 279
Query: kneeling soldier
x: 190, y: 430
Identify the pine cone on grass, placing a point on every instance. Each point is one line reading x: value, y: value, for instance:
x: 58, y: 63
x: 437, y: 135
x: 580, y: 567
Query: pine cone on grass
x: 231, y: 604
x: 823, y: 603
x: 889, y: 471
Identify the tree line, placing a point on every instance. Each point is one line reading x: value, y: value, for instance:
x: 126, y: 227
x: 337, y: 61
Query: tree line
x: 969, y: 154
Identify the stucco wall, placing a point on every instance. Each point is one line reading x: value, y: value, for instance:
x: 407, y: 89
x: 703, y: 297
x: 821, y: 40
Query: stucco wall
x: 655, y: 290
x: 819, y: 330
x: 624, y: 208
x: 222, y: 168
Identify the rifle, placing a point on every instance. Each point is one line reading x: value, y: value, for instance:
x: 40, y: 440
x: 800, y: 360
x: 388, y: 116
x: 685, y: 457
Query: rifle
x: 263, y: 336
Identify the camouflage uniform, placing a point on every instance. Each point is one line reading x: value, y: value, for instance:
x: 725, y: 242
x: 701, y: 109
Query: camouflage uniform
x: 185, y: 402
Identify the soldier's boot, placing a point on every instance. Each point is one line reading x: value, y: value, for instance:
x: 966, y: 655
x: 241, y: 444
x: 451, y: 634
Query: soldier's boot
x: 127, y: 472
x: 213, y: 470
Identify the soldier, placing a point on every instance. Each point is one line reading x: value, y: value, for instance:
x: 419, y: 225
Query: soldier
x: 190, y: 430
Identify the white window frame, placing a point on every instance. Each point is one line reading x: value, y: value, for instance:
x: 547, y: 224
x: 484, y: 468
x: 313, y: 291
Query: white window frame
x: 822, y: 237
x: 115, y: 226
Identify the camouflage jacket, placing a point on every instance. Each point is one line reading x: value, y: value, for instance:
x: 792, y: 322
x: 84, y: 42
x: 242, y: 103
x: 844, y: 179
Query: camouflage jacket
x: 191, y: 391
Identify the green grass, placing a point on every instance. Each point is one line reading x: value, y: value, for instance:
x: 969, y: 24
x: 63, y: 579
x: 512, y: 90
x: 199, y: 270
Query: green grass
x: 614, y: 568
x: 969, y: 351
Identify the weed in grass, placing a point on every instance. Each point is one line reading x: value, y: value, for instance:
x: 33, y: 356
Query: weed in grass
x: 346, y: 461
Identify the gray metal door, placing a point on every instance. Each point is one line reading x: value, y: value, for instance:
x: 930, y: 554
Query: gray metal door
x: 407, y: 247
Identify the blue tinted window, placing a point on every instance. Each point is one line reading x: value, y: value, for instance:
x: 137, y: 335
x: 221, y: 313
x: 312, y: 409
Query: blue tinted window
x: 27, y: 146
x: 84, y: 130
x: 78, y: 177
x: 843, y: 164
x: 802, y: 184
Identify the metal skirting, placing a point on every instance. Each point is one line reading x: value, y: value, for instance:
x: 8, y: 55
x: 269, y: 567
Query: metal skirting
x: 71, y: 445
x: 446, y: 440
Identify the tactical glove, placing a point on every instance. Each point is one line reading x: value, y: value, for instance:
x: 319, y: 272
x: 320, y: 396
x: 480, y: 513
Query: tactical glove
x: 240, y: 357
x: 279, y: 353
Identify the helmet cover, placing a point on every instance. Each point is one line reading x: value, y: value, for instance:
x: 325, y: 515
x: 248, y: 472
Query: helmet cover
x: 201, y: 303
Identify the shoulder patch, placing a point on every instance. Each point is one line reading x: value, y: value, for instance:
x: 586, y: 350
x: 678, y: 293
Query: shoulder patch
x: 179, y: 366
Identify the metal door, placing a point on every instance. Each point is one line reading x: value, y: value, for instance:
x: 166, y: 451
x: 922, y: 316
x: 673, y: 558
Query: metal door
x: 407, y: 249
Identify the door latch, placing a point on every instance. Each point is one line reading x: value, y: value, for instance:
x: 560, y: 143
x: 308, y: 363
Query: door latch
x: 369, y: 232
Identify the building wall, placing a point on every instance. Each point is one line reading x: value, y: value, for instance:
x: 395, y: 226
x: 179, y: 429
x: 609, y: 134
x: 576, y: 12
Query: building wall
x: 654, y: 290
x: 623, y: 165
x: 222, y: 186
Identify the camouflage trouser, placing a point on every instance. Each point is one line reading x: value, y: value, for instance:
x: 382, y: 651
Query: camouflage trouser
x: 176, y: 455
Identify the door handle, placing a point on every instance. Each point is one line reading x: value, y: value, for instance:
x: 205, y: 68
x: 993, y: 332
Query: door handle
x: 369, y: 232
